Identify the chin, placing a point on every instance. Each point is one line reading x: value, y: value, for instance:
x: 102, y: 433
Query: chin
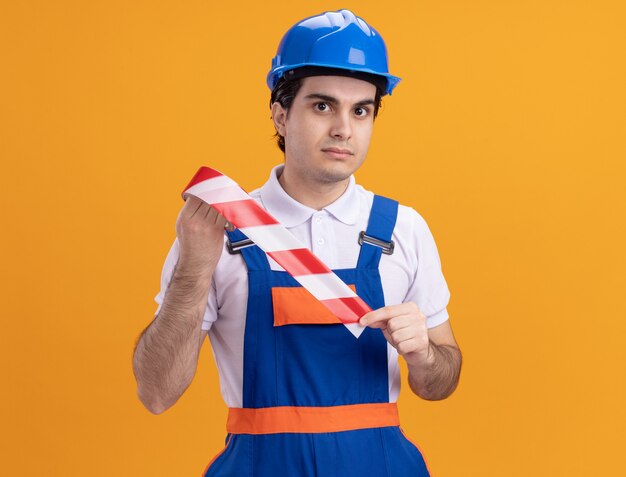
x: 335, y: 174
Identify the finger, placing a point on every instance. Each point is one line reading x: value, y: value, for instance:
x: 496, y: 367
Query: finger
x: 194, y: 208
x: 382, y: 324
x: 402, y: 321
x: 191, y: 207
x: 387, y: 312
x: 396, y: 322
x: 201, y: 211
x: 220, y: 221
x: 214, y: 217
x: 381, y: 315
x: 403, y: 334
x: 374, y: 319
x: 410, y: 346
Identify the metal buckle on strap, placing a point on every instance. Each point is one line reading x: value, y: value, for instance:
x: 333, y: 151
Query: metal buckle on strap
x: 235, y: 247
x: 386, y: 246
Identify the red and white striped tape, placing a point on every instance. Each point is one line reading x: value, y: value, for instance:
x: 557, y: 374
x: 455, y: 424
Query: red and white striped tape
x: 243, y: 212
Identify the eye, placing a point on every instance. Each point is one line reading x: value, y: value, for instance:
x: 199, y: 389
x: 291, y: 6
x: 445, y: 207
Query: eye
x: 361, y: 112
x: 321, y: 106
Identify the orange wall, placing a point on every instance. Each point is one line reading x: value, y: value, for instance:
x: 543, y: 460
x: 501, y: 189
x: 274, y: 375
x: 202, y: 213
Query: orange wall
x: 507, y: 134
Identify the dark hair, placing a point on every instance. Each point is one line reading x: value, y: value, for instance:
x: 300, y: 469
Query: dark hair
x: 286, y: 90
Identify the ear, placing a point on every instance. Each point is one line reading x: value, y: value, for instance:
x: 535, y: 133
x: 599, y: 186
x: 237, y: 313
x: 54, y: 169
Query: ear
x: 279, y: 116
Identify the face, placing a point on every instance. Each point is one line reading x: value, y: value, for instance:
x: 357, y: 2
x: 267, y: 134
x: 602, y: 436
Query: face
x: 327, y: 129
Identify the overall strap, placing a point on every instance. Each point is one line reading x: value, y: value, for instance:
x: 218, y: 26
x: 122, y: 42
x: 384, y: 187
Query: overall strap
x: 254, y: 257
x: 377, y: 238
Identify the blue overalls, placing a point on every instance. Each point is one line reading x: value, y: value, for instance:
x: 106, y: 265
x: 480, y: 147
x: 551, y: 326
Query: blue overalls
x: 315, y: 365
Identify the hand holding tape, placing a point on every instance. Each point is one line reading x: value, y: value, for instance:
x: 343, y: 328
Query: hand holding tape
x: 244, y: 213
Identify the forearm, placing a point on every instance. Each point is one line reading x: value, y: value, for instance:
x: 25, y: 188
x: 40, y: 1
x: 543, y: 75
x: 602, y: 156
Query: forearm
x: 166, y: 353
x: 438, y: 376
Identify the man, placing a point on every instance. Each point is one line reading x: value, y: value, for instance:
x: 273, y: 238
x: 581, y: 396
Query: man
x: 307, y: 395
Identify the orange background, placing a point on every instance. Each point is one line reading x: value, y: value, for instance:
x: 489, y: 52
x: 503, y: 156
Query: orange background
x: 507, y: 134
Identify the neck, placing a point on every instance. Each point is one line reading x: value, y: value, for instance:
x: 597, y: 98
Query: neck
x: 312, y: 194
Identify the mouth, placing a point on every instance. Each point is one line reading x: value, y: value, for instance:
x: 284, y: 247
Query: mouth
x: 337, y: 152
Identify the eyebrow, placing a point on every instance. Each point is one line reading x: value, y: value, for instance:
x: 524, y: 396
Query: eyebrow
x: 334, y: 101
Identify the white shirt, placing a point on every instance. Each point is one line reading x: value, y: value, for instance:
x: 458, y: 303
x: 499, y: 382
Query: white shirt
x: 411, y: 274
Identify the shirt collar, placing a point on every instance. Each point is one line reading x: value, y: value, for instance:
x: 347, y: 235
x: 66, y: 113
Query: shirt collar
x: 291, y: 213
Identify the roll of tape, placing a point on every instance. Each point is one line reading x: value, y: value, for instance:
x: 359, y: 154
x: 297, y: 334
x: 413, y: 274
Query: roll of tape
x: 244, y: 213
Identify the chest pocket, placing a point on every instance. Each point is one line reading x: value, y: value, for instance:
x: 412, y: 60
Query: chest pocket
x: 296, y: 306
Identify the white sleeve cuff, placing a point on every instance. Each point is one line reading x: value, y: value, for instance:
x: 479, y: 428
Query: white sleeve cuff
x: 437, y: 318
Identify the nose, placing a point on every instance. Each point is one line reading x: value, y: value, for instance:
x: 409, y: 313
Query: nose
x: 341, y: 127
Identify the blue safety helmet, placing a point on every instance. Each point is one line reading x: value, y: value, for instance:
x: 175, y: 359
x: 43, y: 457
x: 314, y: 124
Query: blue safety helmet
x: 338, y: 40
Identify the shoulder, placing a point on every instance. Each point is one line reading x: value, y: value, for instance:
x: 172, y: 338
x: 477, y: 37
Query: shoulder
x: 410, y: 218
x: 412, y: 235
x: 409, y: 222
